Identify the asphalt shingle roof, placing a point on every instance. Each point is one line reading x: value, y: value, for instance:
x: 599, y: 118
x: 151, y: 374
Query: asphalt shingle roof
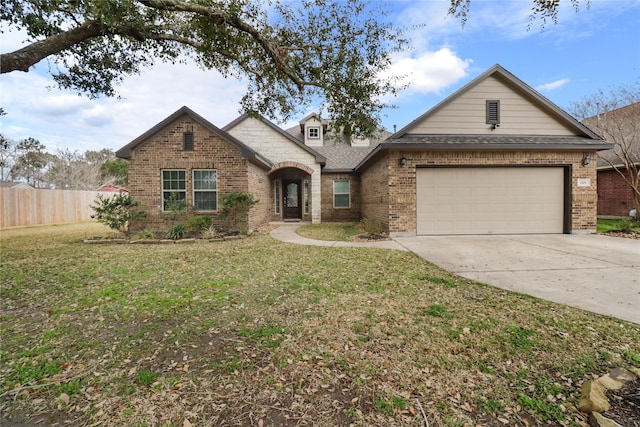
x: 487, y: 141
x: 340, y: 154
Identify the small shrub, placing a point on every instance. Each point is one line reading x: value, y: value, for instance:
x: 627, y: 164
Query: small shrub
x: 199, y: 223
x: 235, y: 211
x: 177, y: 231
x: 175, y: 209
x: 117, y: 212
x: 628, y: 225
x: 371, y: 226
x: 209, y: 233
x: 144, y: 234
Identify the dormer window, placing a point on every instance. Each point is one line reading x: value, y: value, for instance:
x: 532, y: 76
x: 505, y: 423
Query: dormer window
x: 493, y: 112
x: 188, y: 144
x: 313, y: 133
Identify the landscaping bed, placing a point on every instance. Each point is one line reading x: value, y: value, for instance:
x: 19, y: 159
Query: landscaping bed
x: 621, y: 227
x: 259, y: 332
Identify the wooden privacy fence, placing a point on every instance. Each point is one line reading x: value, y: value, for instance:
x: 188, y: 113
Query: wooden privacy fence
x: 21, y: 207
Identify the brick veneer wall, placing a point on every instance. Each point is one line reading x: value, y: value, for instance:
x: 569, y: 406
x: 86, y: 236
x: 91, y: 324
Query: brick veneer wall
x: 260, y: 187
x: 615, y: 197
x: 375, y: 192
x: 331, y: 214
x: 401, y: 183
x: 164, y: 151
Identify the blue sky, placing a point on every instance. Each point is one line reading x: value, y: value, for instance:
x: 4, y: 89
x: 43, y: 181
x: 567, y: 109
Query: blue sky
x: 596, y: 48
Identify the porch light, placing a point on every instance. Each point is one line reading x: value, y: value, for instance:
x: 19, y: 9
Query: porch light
x: 586, y: 159
x: 403, y: 161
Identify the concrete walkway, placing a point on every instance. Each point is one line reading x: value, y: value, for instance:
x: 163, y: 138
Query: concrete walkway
x: 287, y: 233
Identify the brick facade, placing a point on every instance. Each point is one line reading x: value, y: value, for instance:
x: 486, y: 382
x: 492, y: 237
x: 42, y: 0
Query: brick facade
x: 259, y: 186
x: 392, y: 201
x: 375, y: 192
x: 615, y: 197
x: 284, y: 153
x: 164, y: 150
x: 329, y: 212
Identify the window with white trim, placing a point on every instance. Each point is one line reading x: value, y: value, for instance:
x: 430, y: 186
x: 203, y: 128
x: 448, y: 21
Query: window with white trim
x: 313, y: 132
x: 174, y: 187
x: 205, y: 189
x: 277, y: 198
x: 341, y: 193
x: 305, y: 196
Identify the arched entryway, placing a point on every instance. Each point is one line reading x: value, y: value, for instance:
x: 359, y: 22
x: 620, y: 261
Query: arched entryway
x: 291, y: 185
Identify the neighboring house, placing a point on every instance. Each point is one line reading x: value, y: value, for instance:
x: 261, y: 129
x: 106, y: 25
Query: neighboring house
x: 622, y: 125
x: 495, y: 157
x: 14, y: 184
x: 111, y: 188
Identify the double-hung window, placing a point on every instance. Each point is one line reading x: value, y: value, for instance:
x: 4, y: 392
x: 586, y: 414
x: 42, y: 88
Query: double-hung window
x: 205, y: 190
x: 341, y: 193
x: 174, y: 187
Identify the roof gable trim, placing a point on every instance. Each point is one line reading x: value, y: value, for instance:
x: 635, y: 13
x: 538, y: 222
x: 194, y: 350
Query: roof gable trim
x: 498, y: 70
x: 247, y: 152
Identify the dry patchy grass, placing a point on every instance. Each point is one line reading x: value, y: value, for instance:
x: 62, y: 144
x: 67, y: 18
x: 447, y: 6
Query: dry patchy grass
x: 333, y: 231
x: 260, y: 332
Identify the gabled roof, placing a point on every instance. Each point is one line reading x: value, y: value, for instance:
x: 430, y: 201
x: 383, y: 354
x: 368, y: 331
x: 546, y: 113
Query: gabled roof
x: 319, y: 157
x: 513, y: 81
x: 340, y: 155
x: 585, y: 138
x: 247, y: 152
x: 306, y: 118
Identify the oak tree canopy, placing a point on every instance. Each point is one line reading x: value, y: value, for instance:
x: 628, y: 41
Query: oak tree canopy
x: 290, y: 52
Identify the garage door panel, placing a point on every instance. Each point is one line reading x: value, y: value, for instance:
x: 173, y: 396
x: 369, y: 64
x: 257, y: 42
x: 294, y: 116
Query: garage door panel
x: 508, y: 200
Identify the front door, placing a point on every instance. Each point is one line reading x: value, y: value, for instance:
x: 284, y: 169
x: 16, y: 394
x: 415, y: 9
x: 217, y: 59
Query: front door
x: 292, y: 200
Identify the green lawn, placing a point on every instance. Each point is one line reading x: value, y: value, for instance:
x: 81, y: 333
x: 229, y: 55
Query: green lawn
x: 334, y: 231
x: 605, y: 225
x: 234, y: 332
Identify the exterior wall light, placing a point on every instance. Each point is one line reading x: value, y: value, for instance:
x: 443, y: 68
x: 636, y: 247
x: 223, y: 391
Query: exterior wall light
x: 403, y: 161
x: 586, y: 159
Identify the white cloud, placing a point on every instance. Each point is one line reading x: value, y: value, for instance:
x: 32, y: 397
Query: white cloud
x: 55, y: 104
x: 545, y: 87
x: 430, y: 72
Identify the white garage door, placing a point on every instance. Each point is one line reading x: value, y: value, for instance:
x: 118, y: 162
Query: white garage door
x: 510, y: 200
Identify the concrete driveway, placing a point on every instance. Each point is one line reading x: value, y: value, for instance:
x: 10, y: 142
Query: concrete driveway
x: 593, y: 272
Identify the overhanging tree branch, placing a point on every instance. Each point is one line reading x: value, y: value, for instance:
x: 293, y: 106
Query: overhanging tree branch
x: 22, y: 59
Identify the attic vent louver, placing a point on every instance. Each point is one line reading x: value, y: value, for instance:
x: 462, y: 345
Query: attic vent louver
x: 188, y: 141
x: 493, y: 112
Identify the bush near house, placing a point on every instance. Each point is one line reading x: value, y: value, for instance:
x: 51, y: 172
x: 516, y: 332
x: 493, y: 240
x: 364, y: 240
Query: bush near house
x: 117, y: 211
x: 235, y: 211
